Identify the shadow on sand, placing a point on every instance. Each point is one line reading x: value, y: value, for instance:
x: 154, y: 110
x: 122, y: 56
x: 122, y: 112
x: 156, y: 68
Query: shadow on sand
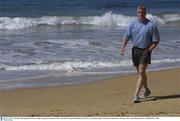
x: 155, y: 98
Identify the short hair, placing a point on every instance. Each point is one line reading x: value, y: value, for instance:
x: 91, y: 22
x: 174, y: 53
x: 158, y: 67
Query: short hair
x: 142, y: 8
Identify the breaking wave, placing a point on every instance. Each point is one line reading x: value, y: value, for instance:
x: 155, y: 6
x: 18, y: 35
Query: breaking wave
x: 108, y: 19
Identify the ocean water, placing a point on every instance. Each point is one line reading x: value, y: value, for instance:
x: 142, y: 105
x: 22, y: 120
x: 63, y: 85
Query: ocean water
x: 68, y: 42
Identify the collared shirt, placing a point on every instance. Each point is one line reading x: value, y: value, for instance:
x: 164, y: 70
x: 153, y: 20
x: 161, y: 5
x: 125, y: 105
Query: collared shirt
x: 142, y: 34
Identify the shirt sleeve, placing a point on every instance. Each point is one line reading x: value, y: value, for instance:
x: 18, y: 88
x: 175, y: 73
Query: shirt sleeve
x: 128, y: 33
x: 156, y: 37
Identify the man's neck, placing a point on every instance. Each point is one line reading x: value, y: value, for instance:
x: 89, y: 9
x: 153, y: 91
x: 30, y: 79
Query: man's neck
x: 142, y: 20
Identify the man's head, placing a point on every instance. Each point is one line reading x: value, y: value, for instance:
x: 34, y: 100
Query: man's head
x: 141, y: 13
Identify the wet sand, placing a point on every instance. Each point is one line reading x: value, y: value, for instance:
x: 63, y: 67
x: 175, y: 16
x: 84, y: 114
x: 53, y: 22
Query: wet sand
x: 110, y: 97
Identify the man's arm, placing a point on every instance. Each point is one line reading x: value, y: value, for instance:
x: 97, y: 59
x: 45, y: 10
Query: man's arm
x: 156, y: 38
x: 123, y: 45
x: 127, y: 36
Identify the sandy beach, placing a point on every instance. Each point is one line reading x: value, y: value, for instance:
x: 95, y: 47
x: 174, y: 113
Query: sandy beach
x: 110, y: 97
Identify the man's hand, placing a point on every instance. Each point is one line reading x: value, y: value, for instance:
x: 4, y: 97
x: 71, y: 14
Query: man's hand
x: 152, y: 46
x: 123, y: 45
x: 122, y: 50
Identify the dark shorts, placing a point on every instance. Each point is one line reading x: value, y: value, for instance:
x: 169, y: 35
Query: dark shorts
x: 141, y: 56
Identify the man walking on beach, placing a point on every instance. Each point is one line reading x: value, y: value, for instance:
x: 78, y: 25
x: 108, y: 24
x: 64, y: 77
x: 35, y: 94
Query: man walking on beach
x: 145, y: 36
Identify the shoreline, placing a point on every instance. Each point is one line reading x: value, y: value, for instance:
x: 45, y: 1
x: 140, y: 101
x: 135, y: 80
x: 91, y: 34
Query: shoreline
x: 107, y: 97
x: 53, y: 75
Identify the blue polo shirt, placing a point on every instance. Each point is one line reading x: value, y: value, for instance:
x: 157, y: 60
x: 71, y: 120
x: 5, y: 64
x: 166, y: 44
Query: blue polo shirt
x: 142, y: 34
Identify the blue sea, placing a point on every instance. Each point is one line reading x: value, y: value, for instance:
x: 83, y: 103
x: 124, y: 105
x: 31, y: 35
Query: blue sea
x: 60, y: 42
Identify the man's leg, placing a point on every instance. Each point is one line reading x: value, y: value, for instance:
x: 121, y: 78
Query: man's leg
x: 142, y: 79
x: 145, y: 80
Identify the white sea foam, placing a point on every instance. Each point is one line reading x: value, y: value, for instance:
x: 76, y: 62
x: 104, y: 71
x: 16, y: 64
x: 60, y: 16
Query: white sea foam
x: 166, y: 60
x: 66, y: 66
x: 108, y: 19
x: 79, y: 66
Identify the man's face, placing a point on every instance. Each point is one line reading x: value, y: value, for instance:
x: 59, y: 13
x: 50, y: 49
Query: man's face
x: 141, y: 15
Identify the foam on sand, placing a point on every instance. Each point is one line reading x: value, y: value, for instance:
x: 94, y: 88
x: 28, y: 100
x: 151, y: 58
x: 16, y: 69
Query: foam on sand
x: 79, y: 65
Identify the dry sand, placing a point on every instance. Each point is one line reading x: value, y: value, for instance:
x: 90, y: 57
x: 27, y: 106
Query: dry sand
x: 110, y: 97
